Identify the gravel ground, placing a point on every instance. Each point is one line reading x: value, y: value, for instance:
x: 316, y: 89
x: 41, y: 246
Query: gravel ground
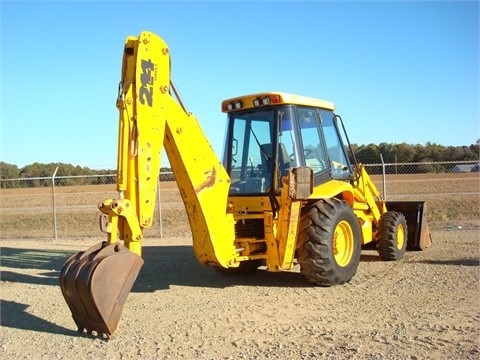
x: 423, y: 307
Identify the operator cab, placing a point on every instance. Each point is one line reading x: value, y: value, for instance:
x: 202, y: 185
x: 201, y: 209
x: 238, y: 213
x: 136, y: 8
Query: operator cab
x: 271, y: 132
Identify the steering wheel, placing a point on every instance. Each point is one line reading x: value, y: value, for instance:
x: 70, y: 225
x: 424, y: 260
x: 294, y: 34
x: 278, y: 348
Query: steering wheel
x: 306, y: 153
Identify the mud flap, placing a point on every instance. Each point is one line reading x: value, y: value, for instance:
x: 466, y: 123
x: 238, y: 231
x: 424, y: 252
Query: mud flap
x: 419, y: 237
x: 95, y: 284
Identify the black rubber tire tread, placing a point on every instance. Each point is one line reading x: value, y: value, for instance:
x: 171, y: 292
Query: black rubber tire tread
x: 315, y: 252
x: 386, y: 235
x: 245, y: 267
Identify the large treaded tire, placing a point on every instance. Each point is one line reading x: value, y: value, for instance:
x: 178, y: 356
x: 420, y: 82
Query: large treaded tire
x: 391, y: 236
x: 329, y: 242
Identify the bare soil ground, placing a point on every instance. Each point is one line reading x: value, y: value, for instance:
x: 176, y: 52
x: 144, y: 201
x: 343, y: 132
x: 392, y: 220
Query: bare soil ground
x: 423, y: 307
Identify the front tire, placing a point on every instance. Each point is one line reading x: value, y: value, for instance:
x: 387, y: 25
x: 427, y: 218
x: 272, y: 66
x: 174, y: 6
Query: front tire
x: 391, y: 236
x: 329, y: 243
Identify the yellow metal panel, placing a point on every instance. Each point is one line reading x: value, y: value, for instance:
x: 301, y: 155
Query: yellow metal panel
x: 288, y: 220
x: 367, y: 193
x: 251, y: 204
x: 284, y: 98
x: 271, y: 231
x: 365, y: 219
x: 203, y: 183
x: 151, y: 78
x: 332, y: 189
x: 288, y: 240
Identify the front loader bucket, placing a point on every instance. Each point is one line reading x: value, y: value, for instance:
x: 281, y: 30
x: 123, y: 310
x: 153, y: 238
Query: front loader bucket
x: 95, y: 284
x: 419, y: 237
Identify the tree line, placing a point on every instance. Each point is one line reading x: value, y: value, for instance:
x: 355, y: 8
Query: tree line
x: 365, y: 154
x: 38, y: 174
x: 407, y: 153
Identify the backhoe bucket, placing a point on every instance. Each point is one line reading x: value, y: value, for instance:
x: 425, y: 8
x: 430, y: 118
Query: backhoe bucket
x: 419, y: 237
x: 95, y: 284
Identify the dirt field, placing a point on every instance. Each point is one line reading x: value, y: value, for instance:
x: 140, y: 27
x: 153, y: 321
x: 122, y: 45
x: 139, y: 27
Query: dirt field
x: 423, y: 307
x: 452, y: 199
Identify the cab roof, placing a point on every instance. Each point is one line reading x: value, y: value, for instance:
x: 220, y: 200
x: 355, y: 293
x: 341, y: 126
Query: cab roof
x: 272, y: 98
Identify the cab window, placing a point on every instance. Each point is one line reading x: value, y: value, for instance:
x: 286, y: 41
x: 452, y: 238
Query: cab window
x: 313, y: 145
x: 336, y: 151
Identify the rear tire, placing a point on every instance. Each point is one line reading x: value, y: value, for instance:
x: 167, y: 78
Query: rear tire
x: 391, y: 236
x: 329, y: 243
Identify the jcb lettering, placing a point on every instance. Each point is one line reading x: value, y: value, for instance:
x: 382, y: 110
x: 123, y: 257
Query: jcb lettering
x: 146, y: 78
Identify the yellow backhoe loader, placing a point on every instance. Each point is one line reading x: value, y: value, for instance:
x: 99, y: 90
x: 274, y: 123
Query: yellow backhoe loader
x: 288, y: 190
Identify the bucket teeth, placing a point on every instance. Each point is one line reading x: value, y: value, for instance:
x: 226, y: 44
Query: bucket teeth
x: 95, y: 284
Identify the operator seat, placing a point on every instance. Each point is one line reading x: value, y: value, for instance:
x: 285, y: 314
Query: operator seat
x: 267, y: 158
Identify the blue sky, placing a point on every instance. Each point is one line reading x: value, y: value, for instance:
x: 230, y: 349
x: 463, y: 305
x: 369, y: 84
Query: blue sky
x: 397, y: 71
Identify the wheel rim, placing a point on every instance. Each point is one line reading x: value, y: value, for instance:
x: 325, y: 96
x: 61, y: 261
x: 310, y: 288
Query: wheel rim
x: 343, y: 243
x: 400, y: 238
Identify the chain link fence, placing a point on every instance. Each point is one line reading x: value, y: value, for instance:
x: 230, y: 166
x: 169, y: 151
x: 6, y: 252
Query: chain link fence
x: 66, y: 206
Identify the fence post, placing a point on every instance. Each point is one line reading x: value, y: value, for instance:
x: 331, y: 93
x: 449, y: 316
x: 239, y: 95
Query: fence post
x: 54, y: 206
x: 384, y: 180
x: 159, y: 208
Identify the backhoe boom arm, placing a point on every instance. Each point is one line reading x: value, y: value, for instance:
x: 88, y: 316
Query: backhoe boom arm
x: 149, y: 118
